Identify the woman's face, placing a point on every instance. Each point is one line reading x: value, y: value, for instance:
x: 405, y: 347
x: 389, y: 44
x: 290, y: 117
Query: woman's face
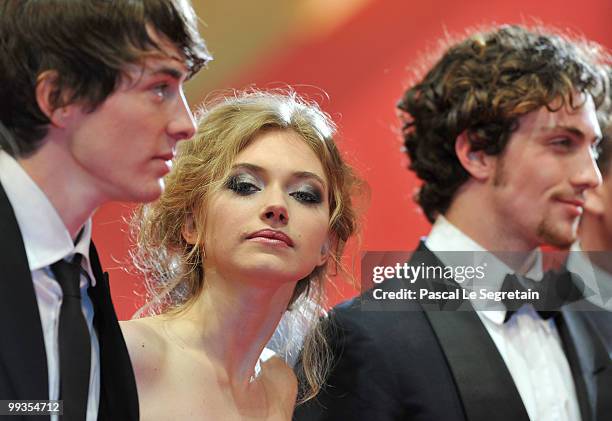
x: 269, y: 221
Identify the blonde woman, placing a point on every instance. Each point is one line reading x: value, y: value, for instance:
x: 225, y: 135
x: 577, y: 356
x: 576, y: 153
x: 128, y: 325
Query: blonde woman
x: 256, y: 208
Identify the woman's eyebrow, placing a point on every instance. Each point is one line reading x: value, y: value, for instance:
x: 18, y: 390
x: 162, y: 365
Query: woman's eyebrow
x: 307, y: 175
x: 250, y: 167
x: 298, y: 174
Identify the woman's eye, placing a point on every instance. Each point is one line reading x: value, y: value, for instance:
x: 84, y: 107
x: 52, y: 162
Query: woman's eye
x: 308, y: 197
x: 241, y: 186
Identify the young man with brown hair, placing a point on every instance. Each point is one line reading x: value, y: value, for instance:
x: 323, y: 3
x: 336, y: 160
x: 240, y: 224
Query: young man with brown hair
x: 589, y: 258
x: 502, y: 131
x: 92, y: 108
x: 595, y: 229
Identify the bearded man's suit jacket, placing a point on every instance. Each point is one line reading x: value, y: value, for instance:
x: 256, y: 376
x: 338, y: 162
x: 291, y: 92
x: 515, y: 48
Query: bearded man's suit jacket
x: 23, y: 362
x: 413, y: 364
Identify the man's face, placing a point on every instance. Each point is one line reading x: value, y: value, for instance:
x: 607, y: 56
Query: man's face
x: 599, y: 208
x: 541, y: 177
x: 124, y: 147
x: 606, y: 196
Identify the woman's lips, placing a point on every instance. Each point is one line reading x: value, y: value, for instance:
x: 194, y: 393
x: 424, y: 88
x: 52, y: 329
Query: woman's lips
x: 270, y: 236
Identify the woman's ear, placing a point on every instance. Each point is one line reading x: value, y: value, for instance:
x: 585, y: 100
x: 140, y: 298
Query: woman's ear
x: 47, y: 96
x: 189, y: 230
x: 477, y: 163
x: 325, y: 251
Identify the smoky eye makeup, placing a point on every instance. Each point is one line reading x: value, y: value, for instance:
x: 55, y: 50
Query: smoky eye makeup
x: 243, y: 184
x: 308, y: 194
x: 304, y: 188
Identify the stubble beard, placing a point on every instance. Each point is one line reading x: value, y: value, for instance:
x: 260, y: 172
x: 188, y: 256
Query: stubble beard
x: 547, y: 231
x: 552, y: 234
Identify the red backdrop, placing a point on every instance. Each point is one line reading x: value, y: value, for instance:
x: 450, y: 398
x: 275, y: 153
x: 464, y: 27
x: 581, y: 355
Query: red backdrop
x: 363, y: 66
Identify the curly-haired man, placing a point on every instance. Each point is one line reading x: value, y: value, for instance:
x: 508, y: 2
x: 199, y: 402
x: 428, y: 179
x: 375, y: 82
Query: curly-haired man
x: 589, y: 256
x: 595, y: 228
x: 503, y: 133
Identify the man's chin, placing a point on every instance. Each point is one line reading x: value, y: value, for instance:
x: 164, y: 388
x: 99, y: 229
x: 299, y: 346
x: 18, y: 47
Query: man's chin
x: 560, y: 235
x: 145, y: 194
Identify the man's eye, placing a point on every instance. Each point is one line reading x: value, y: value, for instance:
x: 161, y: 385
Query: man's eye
x: 161, y: 90
x: 564, y: 142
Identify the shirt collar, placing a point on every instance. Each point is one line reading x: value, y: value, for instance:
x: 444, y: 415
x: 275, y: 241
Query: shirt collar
x: 45, y: 237
x: 445, y: 237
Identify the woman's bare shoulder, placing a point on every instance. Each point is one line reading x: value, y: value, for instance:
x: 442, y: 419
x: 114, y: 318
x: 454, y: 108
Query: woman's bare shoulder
x: 146, y: 345
x: 280, y: 380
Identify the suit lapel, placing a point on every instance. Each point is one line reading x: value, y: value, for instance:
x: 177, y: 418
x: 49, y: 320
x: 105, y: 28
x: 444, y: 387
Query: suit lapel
x: 23, y: 357
x: 601, y: 321
x: 23, y: 349
x: 118, y: 395
x: 589, y: 358
x: 482, y: 378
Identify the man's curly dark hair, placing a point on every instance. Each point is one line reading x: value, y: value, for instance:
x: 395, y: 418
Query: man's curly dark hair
x: 481, y: 87
x: 605, y: 146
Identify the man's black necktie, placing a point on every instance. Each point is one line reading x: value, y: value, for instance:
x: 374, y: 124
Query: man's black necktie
x: 74, y: 341
x: 555, y: 290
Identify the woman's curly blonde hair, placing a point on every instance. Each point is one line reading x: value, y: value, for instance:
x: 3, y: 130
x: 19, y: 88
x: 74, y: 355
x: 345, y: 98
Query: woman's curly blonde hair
x: 173, y: 269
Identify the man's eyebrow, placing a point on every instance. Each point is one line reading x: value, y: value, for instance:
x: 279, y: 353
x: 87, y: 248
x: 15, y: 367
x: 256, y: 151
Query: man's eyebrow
x: 574, y: 131
x: 299, y: 174
x: 168, y: 71
x: 571, y: 129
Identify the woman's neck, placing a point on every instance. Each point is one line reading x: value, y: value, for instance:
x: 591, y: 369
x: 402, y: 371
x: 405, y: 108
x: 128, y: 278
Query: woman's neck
x: 233, y: 321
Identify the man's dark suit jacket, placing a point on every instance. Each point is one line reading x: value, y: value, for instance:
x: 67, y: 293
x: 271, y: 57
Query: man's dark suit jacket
x: 594, y: 329
x: 23, y: 361
x: 413, y: 364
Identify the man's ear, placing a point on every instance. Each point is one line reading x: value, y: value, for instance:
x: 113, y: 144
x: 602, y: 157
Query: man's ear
x: 47, y: 96
x: 594, y: 200
x: 189, y: 230
x: 477, y: 163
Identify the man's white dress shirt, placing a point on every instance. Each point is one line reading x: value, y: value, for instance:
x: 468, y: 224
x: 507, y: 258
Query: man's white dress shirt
x: 530, y: 346
x: 46, y: 241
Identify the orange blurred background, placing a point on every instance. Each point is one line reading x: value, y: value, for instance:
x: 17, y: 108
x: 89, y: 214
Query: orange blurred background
x: 354, y: 57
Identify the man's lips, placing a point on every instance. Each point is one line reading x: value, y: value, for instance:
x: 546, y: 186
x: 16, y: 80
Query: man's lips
x: 164, y: 162
x: 272, y: 236
x: 577, y: 204
x: 165, y: 156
